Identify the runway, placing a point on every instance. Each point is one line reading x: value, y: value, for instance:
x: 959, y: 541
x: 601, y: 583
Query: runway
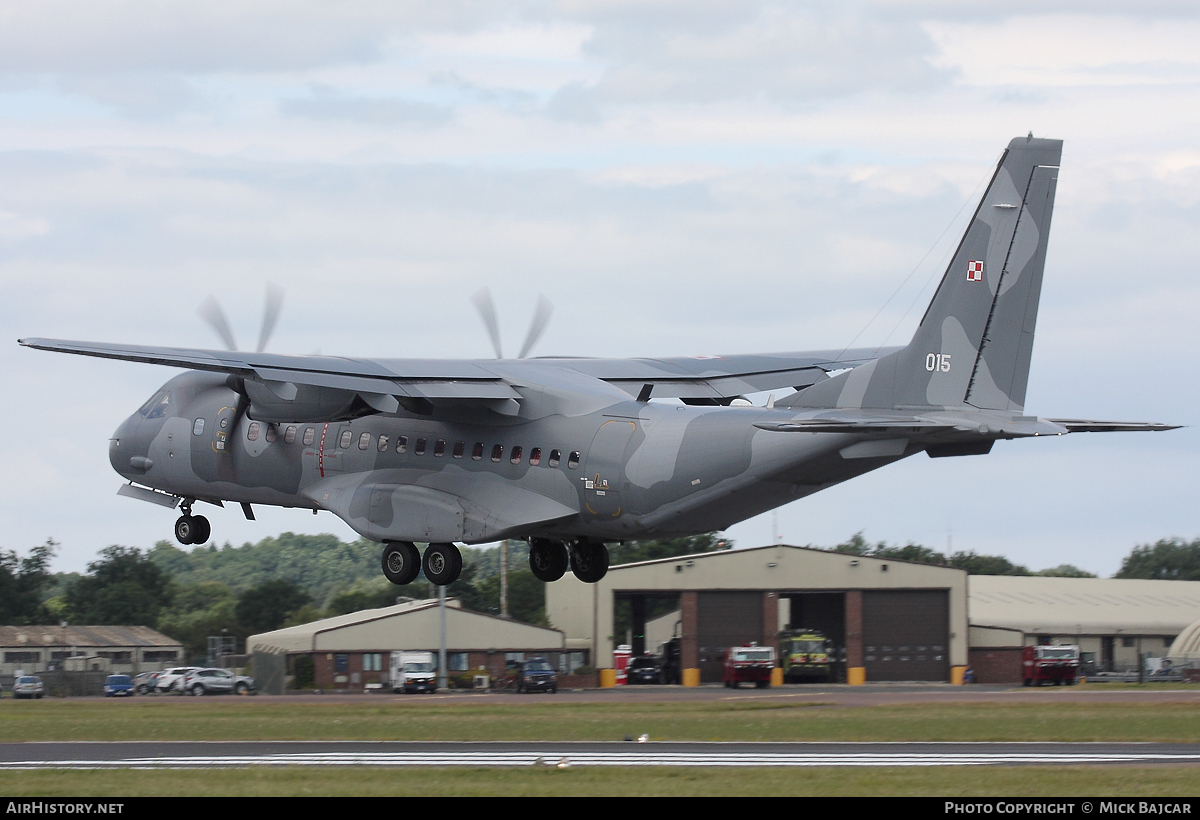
x: 219, y: 754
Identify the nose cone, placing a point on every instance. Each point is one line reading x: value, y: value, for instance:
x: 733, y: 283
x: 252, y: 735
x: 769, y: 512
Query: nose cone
x: 127, y: 453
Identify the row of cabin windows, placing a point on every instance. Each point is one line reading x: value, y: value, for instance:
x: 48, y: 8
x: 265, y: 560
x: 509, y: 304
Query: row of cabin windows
x: 515, y: 455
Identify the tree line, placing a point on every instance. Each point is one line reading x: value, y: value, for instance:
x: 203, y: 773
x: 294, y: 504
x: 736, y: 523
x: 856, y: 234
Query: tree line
x: 293, y: 579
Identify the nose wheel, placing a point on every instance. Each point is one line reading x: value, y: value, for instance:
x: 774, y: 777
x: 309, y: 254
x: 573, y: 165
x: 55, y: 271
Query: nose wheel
x: 192, y: 529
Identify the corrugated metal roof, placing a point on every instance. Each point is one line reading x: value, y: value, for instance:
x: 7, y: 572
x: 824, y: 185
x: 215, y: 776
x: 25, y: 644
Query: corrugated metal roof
x: 53, y: 635
x: 1085, y: 606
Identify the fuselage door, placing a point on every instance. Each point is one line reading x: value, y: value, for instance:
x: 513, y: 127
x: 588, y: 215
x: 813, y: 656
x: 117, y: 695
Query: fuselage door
x: 604, y: 468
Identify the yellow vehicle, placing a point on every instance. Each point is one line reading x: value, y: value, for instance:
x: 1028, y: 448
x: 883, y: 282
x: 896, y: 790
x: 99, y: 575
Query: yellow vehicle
x: 806, y: 654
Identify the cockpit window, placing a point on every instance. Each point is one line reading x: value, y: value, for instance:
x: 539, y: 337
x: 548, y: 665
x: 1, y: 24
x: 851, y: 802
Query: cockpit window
x: 157, y: 406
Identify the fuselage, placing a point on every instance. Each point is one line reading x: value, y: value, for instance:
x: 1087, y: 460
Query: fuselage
x: 624, y: 471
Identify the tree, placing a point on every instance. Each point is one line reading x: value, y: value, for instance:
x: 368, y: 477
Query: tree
x: 1066, y: 571
x: 21, y: 583
x: 985, y: 564
x: 268, y: 605
x: 123, y: 588
x: 1168, y: 559
x: 633, y: 551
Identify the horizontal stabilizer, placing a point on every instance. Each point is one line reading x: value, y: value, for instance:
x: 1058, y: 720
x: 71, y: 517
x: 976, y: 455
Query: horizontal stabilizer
x: 1089, y: 426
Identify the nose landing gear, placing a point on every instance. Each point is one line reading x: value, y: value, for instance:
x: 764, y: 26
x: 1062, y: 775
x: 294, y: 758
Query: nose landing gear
x: 191, y: 529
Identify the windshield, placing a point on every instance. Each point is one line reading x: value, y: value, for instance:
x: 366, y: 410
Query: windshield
x: 418, y: 667
x: 752, y: 655
x: 1058, y: 652
x: 118, y: 679
x: 538, y: 666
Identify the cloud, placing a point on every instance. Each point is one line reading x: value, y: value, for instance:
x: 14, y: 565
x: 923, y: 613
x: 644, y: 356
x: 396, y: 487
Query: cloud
x: 327, y: 104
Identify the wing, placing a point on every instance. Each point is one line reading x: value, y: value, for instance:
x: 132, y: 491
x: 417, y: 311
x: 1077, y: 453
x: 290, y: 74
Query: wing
x: 324, y: 388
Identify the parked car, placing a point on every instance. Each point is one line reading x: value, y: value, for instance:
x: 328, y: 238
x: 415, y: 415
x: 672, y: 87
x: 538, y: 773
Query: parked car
x: 28, y: 686
x: 144, y: 682
x: 643, y: 669
x: 170, y: 679
x: 537, y: 675
x: 217, y: 682
x: 118, y: 686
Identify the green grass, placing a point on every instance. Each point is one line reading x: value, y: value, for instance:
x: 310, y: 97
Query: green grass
x: 727, y: 720
x: 956, y: 781
x: 417, y: 719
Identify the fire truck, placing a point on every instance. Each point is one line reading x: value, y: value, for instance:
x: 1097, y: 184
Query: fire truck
x: 806, y: 654
x: 1059, y: 664
x: 752, y: 664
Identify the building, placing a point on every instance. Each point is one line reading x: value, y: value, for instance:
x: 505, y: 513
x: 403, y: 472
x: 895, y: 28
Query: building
x: 892, y: 620
x: 120, y: 649
x: 1112, y: 620
x: 352, y: 651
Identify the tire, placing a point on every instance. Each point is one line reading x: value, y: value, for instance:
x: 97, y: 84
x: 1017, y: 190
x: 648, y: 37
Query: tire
x: 197, y: 690
x: 442, y: 564
x: 185, y: 529
x: 241, y: 689
x: 589, y: 561
x: 203, y: 529
x: 401, y: 562
x: 547, y: 559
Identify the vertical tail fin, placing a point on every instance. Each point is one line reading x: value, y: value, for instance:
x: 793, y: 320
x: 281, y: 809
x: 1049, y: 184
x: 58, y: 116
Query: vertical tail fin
x: 974, y: 343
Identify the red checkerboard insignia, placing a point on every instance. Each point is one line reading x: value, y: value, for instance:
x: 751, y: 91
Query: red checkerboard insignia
x: 975, y: 271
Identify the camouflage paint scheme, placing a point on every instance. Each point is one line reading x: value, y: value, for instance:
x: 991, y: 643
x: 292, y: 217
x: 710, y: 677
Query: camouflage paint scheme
x: 627, y: 467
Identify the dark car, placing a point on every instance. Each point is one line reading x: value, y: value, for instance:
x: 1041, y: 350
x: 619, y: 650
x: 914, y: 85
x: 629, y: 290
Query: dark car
x: 537, y: 675
x: 643, y: 669
x: 118, y: 686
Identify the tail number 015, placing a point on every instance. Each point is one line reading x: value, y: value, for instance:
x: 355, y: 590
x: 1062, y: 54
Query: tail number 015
x: 938, y: 362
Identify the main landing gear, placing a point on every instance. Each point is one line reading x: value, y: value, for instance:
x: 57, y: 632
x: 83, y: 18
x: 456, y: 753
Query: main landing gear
x: 548, y: 559
x: 191, y: 529
x: 401, y: 563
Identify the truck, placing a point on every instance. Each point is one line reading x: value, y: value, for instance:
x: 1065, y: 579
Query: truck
x: 750, y: 664
x: 1059, y: 664
x: 413, y: 672
x: 806, y: 654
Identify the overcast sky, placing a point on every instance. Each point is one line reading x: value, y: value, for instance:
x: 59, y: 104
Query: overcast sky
x: 678, y: 178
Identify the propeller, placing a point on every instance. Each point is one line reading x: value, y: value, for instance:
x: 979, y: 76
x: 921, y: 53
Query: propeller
x: 483, y: 302
x: 211, y: 311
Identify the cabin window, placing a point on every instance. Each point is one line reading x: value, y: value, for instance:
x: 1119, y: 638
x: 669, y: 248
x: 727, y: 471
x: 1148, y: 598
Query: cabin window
x: 383, y: 443
x: 535, y: 456
x: 310, y: 435
x: 477, y: 451
x: 252, y: 431
x: 497, y: 453
x: 516, y: 455
x: 555, y: 455
x: 198, y: 428
x: 420, y: 448
x: 364, y: 441
x: 289, y: 435
x: 573, y: 459
x: 439, y: 448
x: 459, y: 446
x: 272, y: 433
x: 347, y: 437
x: 401, y: 444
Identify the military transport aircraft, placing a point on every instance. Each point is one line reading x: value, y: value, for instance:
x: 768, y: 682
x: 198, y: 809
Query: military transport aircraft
x: 570, y: 453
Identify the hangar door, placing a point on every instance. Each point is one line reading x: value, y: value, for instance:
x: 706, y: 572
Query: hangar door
x: 906, y: 634
x: 725, y: 619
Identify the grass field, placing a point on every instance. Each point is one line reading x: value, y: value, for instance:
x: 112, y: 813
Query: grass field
x: 419, y: 719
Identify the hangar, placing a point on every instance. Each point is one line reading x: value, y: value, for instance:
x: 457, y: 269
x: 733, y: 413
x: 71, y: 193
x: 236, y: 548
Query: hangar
x: 352, y: 651
x: 1111, y: 620
x: 895, y: 620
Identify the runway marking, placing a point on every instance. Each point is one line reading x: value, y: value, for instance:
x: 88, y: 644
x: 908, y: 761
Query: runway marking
x: 552, y: 758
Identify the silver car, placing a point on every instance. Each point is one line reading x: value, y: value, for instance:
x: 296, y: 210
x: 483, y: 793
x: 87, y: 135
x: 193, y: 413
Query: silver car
x: 28, y: 686
x: 172, y: 678
x: 217, y: 682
